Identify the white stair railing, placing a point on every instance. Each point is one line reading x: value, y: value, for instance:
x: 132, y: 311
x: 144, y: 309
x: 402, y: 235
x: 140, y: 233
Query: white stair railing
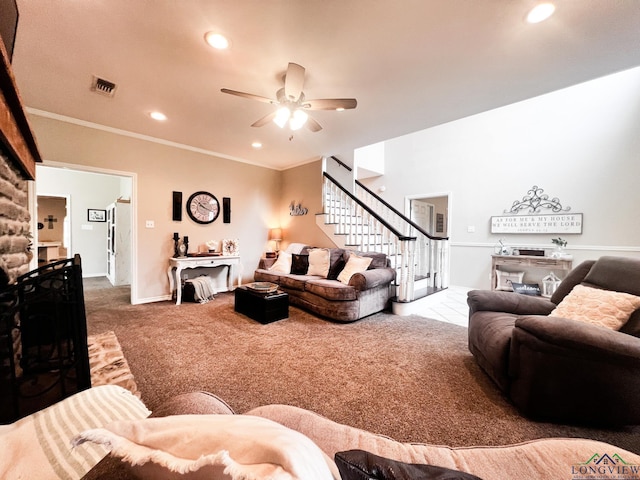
x: 365, y: 229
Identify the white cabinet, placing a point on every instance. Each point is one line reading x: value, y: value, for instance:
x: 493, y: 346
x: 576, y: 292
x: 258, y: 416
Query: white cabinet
x: 119, y: 243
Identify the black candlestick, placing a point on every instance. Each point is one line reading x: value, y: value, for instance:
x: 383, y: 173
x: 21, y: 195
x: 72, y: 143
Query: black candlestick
x: 186, y: 244
x: 176, y: 251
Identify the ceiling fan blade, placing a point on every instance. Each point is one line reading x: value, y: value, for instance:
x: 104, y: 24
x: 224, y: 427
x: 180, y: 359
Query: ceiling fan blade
x: 313, y: 125
x: 330, y: 103
x: 264, y: 120
x: 250, y: 96
x: 294, y: 81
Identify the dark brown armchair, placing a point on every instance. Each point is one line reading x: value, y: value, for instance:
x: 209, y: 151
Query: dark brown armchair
x: 561, y: 369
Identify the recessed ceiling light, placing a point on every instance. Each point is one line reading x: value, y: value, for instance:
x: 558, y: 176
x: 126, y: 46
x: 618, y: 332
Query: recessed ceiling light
x: 340, y: 109
x: 216, y: 40
x: 161, y: 117
x: 256, y: 145
x: 541, y: 12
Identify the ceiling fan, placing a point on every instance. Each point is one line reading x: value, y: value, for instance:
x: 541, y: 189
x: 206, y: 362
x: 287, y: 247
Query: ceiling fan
x: 292, y: 103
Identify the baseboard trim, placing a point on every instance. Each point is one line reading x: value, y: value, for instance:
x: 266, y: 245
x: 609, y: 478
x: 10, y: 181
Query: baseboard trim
x: 160, y: 298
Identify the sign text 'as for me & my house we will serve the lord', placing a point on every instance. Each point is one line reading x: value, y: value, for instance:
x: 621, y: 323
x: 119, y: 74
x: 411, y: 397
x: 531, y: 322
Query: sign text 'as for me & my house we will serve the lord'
x: 558, y: 223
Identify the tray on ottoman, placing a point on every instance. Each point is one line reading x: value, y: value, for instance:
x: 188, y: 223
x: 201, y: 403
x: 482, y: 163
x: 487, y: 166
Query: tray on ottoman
x: 260, y: 306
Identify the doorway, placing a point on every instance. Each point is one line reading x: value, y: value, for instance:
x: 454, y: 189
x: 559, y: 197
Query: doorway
x: 89, y: 192
x: 53, y: 238
x: 430, y: 212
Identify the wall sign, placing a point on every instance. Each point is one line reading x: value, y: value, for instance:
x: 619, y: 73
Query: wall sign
x: 558, y: 223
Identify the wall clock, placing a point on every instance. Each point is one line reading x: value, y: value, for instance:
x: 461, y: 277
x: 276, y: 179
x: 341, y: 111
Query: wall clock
x: 203, y: 207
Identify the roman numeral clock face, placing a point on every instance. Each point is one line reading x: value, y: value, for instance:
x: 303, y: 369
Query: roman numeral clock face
x: 203, y: 207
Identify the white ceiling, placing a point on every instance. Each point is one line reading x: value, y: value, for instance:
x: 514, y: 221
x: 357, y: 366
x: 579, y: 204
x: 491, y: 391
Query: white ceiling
x: 411, y: 64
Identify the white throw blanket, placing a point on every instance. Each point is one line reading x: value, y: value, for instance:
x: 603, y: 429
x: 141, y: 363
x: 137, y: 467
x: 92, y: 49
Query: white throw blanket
x: 203, y: 287
x: 238, y: 447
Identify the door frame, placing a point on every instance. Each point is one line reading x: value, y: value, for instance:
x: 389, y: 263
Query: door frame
x: 134, y: 213
x: 426, y: 197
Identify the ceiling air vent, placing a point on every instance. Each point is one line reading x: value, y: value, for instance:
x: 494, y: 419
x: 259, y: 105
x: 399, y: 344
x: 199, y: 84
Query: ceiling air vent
x: 102, y: 86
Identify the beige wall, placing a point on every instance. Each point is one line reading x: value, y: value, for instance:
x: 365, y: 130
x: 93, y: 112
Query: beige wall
x: 160, y: 170
x: 302, y: 185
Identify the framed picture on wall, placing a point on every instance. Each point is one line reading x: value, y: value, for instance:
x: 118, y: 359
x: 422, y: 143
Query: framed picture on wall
x: 94, y: 215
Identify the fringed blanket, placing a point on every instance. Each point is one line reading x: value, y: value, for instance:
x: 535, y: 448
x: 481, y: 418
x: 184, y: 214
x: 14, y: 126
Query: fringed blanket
x: 238, y: 447
x: 203, y: 287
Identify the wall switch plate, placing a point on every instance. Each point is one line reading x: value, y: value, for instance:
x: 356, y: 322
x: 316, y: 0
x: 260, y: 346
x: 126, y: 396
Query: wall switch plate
x: 150, y: 224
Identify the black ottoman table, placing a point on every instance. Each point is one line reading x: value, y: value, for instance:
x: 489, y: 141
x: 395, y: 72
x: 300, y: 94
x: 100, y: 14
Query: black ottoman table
x: 260, y: 306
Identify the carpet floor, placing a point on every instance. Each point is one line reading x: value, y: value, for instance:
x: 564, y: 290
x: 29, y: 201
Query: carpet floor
x: 411, y: 378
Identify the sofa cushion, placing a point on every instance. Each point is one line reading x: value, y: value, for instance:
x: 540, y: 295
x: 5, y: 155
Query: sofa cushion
x: 299, y: 264
x: 621, y: 274
x: 330, y: 289
x: 355, y: 264
x: 363, y: 465
x: 319, y: 262
x: 262, y: 275
x: 600, y: 307
x: 295, y: 282
x: 573, y: 278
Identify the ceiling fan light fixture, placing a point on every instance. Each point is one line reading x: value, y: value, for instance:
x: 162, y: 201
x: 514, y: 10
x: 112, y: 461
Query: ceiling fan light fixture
x: 541, y: 12
x: 282, y: 115
x: 298, y: 119
x: 216, y: 40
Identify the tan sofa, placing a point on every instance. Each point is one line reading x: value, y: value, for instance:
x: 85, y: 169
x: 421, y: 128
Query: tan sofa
x: 367, y: 292
x: 551, y: 458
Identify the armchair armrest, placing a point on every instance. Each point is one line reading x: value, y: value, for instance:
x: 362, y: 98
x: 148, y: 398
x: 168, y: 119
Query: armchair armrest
x: 508, y: 302
x: 581, y: 338
x: 372, y: 278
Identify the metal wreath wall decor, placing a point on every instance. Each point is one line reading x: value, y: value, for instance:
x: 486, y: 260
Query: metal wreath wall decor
x: 558, y: 221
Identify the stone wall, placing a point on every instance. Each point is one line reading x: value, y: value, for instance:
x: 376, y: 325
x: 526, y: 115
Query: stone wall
x: 14, y: 220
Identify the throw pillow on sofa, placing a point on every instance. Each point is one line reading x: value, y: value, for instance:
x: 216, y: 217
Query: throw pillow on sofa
x: 283, y: 263
x: 319, y: 262
x: 336, y: 263
x: 362, y: 465
x: 299, y: 264
x: 355, y: 264
x: 600, y: 307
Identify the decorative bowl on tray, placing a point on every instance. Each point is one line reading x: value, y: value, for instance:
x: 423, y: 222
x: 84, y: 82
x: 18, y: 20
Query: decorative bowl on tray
x: 262, y: 287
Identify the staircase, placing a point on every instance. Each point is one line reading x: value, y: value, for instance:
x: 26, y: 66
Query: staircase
x: 365, y: 222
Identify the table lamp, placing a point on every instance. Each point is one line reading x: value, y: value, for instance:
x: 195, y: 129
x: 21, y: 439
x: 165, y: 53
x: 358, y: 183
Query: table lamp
x: 275, y: 234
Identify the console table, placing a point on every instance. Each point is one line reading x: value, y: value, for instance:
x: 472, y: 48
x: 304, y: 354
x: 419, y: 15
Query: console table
x: 528, y: 261
x: 176, y: 265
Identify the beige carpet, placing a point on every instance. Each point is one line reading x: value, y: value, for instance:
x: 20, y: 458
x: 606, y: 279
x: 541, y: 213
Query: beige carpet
x: 411, y: 378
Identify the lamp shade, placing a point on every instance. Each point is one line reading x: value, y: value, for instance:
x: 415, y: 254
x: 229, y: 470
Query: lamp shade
x: 275, y: 234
